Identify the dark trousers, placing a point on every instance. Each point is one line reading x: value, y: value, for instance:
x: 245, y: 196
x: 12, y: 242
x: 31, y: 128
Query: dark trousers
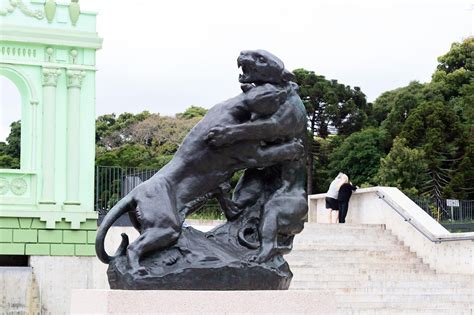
x: 343, y: 207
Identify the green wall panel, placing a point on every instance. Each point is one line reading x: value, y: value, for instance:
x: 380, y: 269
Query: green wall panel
x: 77, y: 237
x: 85, y: 250
x: 12, y: 249
x: 9, y: 223
x: 25, y: 236
x: 6, y: 235
x: 62, y: 249
x: 25, y: 223
x: 50, y: 236
x: 37, y: 249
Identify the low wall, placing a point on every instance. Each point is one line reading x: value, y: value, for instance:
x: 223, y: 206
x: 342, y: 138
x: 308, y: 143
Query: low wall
x: 448, y: 253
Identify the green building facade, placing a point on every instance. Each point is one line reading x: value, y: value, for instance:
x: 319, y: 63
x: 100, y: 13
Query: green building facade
x: 48, y: 50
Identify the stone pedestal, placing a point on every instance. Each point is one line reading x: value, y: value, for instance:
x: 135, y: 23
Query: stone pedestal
x: 201, y: 302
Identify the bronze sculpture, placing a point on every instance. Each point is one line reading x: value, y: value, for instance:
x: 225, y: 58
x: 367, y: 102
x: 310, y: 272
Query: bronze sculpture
x: 261, y: 130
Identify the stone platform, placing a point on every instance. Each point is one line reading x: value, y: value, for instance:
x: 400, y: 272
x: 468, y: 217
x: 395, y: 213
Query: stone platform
x: 201, y: 302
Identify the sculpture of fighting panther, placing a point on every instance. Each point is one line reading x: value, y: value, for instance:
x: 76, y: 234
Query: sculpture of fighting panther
x: 158, y: 206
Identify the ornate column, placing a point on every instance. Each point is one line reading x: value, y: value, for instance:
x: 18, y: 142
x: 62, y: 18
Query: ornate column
x: 50, y: 80
x: 74, y: 81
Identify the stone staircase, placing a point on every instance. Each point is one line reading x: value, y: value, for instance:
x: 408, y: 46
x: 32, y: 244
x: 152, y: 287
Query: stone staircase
x: 369, y: 271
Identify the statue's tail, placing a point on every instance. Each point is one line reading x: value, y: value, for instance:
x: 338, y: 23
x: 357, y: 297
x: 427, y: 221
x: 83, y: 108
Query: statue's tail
x: 123, y: 206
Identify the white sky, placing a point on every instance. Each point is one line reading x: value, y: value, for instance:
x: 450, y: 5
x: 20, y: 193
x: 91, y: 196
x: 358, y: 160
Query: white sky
x: 164, y: 56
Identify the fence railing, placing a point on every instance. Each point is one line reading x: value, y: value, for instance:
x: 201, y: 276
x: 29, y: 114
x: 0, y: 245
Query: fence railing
x: 441, y: 210
x: 113, y: 183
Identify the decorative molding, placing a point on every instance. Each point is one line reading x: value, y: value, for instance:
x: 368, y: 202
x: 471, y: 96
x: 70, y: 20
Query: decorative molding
x: 74, y: 11
x: 50, y: 10
x: 18, y: 51
x: 74, y: 53
x: 49, y: 54
x: 74, y: 78
x: 18, y: 186
x: 4, y: 186
x: 13, y: 70
x: 11, y: 7
x: 50, y: 76
x: 44, y: 36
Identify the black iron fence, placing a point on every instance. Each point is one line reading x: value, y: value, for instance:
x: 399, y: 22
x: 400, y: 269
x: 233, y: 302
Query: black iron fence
x: 112, y: 183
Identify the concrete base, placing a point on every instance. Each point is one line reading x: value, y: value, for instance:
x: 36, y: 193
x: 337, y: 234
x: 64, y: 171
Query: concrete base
x: 19, y: 291
x: 201, y: 302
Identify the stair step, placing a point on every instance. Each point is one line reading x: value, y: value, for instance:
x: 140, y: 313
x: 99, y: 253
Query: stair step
x: 347, y: 247
x: 392, y: 290
x: 385, y: 284
x: 368, y: 270
x: 318, y: 260
x: 346, y: 226
x: 379, y: 277
x: 383, y: 309
x: 389, y: 254
x: 354, y: 267
x: 404, y: 298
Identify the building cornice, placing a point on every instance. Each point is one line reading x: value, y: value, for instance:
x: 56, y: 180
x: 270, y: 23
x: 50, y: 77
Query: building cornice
x: 49, y: 36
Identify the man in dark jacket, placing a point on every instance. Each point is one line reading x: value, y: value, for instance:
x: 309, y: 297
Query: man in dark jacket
x: 345, y: 192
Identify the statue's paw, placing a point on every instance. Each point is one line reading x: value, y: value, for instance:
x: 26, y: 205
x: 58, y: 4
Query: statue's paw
x: 140, y: 271
x: 299, y: 148
x: 172, y: 259
x: 217, y: 136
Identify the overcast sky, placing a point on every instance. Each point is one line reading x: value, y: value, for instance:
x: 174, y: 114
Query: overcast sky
x: 164, y: 56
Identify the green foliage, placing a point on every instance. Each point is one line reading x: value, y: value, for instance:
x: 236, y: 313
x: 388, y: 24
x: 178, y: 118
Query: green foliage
x: 359, y: 155
x: 193, y: 112
x: 330, y: 103
x: 144, y: 140
x: 392, y: 108
x: 10, y: 151
x: 403, y: 168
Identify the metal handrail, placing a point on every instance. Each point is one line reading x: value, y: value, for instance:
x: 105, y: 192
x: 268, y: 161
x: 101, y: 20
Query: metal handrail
x: 414, y: 223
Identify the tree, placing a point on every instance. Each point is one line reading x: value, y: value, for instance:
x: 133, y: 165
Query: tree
x: 112, y: 131
x: 392, y: 108
x: 403, y: 168
x: 359, y: 155
x: 193, y: 112
x: 435, y: 128
x: 329, y: 104
x: 10, y: 151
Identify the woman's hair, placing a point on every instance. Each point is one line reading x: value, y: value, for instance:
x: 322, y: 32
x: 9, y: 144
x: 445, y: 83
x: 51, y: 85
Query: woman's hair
x: 343, y: 178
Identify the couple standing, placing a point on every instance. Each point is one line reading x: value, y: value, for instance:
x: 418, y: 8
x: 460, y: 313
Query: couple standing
x: 337, y: 198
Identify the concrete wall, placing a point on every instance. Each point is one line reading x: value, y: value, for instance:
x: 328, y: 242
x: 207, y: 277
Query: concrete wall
x: 366, y: 207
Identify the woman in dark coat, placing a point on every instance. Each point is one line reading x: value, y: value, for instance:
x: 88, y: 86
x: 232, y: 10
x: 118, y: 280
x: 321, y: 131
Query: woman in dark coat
x: 343, y: 196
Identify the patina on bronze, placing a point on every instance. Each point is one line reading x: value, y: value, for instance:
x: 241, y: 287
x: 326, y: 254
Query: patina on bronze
x: 261, y: 131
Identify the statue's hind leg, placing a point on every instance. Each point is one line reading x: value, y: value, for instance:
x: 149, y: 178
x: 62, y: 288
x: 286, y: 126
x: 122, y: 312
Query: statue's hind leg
x: 161, y: 227
x: 150, y: 240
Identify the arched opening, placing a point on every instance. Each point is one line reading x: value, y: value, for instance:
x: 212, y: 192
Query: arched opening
x: 10, y: 124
